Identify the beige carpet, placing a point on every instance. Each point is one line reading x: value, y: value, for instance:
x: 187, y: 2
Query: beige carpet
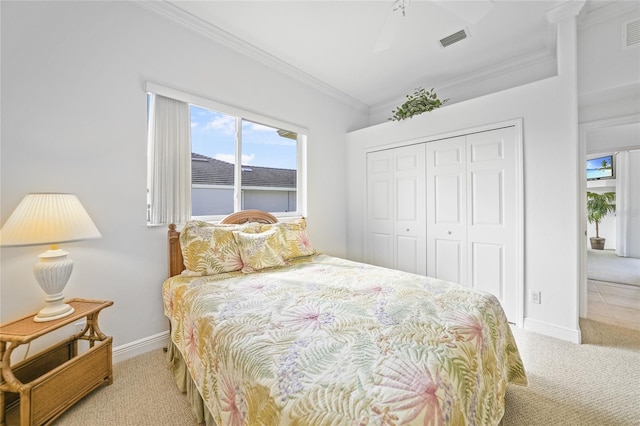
x: 596, y: 383
x: 143, y: 393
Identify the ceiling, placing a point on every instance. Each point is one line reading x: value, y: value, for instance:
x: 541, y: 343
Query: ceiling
x: 332, y: 44
x: 611, y: 138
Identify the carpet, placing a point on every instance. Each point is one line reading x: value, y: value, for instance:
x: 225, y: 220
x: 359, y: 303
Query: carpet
x: 604, y: 265
x: 596, y: 383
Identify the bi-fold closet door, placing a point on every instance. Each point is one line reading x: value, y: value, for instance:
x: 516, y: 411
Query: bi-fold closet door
x: 471, y: 212
x: 447, y: 209
x: 396, y: 213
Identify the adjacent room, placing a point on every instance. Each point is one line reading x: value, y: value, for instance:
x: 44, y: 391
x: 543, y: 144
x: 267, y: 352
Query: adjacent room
x: 319, y: 212
x: 613, y: 258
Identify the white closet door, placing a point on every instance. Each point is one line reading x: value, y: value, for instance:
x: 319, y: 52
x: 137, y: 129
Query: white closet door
x: 396, y: 208
x: 380, y: 220
x: 447, y: 210
x: 471, y: 213
x: 491, y: 201
x: 410, y: 225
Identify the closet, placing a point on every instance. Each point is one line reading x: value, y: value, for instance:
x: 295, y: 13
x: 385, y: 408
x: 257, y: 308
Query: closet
x: 449, y: 209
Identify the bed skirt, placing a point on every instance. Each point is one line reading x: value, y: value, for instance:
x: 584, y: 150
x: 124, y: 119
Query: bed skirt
x: 187, y: 386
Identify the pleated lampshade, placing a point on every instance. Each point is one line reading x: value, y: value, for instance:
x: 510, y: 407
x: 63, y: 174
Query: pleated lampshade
x: 48, y: 219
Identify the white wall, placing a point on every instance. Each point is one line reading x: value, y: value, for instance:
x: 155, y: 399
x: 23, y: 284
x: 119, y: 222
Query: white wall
x: 633, y: 218
x: 74, y: 120
x: 609, y: 74
x: 549, y: 112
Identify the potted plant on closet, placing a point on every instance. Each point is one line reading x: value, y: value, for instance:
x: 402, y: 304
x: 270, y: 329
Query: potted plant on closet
x: 598, y: 206
x: 420, y: 101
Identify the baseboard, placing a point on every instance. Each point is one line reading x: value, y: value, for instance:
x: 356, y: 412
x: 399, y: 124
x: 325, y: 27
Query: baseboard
x: 562, y: 333
x: 138, y: 347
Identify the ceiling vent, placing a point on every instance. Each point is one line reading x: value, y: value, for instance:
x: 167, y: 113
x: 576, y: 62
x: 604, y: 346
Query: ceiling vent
x: 454, y: 38
x: 631, y: 31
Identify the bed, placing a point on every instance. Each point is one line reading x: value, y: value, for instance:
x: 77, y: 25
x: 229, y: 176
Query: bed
x: 265, y: 330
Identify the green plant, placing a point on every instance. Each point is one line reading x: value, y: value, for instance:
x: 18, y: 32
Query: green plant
x: 598, y: 206
x: 420, y: 101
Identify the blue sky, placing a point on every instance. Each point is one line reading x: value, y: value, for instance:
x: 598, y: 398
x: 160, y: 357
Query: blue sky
x: 213, y: 135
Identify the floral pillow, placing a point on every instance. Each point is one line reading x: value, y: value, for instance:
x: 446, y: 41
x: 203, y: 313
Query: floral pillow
x: 295, y: 240
x: 259, y: 251
x: 209, y: 249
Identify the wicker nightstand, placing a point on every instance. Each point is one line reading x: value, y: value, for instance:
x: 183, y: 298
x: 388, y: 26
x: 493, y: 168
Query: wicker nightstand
x: 45, y: 385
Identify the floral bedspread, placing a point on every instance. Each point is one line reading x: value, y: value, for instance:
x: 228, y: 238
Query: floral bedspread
x: 328, y: 341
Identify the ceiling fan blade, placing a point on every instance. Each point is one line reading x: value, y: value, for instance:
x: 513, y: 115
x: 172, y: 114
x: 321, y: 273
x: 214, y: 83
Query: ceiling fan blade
x: 389, y: 30
x: 469, y: 11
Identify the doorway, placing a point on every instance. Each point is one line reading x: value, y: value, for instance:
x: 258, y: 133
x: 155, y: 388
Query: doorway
x: 609, y: 284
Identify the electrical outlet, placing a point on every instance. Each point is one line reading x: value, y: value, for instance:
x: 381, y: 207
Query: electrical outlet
x: 536, y: 297
x: 79, y: 326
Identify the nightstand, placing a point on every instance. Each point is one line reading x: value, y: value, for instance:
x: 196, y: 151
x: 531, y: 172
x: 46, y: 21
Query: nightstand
x: 43, y: 386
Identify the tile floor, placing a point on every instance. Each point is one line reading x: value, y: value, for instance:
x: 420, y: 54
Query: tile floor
x: 613, y: 303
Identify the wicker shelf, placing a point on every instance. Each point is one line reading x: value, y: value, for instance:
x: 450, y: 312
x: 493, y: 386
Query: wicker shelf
x: 43, y: 386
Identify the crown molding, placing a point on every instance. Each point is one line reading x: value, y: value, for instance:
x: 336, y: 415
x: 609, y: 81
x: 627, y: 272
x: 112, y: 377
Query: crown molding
x: 608, y: 11
x: 476, y: 78
x: 566, y: 9
x: 515, y: 65
x: 569, y: 8
x: 168, y: 10
x: 610, y: 94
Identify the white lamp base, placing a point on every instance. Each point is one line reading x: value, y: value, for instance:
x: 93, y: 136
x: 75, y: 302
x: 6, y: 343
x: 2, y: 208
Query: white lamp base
x: 47, y: 314
x: 52, y: 273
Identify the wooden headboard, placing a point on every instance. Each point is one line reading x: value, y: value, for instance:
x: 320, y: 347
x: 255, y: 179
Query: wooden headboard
x: 176, y: 264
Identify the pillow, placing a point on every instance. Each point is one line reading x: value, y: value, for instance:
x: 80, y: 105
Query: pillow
x: 209, y: 249
x: 259, y: 251
x: 295, y: 240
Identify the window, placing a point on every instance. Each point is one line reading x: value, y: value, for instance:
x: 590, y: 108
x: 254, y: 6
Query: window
x: 241, y: 160
x: 268, y: 164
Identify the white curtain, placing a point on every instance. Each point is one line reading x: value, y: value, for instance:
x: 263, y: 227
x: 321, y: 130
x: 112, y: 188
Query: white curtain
x: 169, y: 161
x: 622, y: 202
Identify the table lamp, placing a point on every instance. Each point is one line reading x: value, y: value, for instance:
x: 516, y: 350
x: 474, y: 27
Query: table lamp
x: 49, y: 219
